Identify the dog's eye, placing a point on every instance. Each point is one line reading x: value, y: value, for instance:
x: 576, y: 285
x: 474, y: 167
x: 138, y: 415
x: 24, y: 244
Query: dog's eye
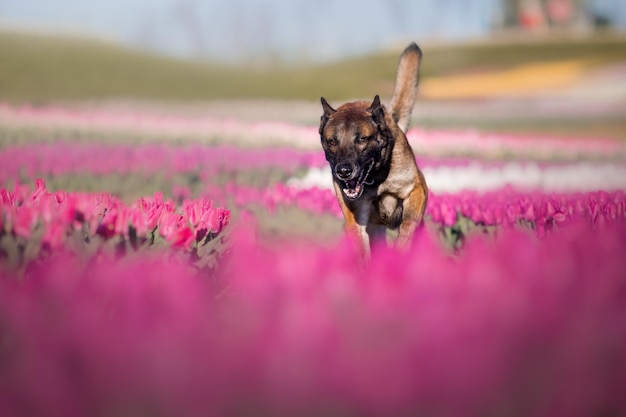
x: 332, y: 141
x: 362, y: 139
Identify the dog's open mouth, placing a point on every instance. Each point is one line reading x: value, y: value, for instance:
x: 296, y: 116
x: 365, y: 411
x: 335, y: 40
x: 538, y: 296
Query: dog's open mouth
x: 354, y: 187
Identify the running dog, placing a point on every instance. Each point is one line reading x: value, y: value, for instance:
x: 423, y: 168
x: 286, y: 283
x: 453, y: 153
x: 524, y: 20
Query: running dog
x: 375, y: 176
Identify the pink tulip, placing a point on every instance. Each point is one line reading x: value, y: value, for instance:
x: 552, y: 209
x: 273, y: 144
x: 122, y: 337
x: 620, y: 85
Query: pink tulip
x: 217, y: 219
x: 153, y: 217
x: 181, y: 237
x: 448, y: 214
x: 7, y: 197
x: 40, y: 188
x: 434, y: 211
x: 24, y: 221
x: 54, y: 235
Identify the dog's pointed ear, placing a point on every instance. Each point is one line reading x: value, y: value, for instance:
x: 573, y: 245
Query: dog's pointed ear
x: 376, y: 110
x: 328, y: 110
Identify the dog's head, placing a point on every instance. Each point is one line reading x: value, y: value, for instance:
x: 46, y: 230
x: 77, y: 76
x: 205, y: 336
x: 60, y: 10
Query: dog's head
x: 355, y: 139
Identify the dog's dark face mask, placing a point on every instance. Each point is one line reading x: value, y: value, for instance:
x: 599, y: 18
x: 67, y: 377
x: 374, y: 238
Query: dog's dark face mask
x: 355, y: 140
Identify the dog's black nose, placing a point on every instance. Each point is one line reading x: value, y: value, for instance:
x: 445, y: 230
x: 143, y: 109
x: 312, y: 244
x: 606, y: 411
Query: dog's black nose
x: 344, y: 171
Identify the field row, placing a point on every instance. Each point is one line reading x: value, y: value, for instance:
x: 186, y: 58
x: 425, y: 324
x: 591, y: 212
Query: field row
x: 29, y: 161
x: 37, y: 222
x: 119, y: 124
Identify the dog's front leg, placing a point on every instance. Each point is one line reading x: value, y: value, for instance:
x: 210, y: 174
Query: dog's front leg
x: 413, y: 212
x: 356, y: 224
x: 358, y: 234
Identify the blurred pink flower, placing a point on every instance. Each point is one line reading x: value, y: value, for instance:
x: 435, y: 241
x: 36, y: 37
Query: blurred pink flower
x: 448, y: 214
x: 24, y: 220
x: 217, y: 219
x: 182, y: 237
x: 54, y: 235
x: 303, y: 329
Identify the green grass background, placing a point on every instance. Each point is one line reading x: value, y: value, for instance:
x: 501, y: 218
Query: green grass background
x: 36, y: 68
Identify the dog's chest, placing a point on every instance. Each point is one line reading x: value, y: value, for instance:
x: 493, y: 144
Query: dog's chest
x: 399, y: 184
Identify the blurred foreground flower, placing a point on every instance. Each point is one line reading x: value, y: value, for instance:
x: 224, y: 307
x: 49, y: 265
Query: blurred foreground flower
x: 515, y: 326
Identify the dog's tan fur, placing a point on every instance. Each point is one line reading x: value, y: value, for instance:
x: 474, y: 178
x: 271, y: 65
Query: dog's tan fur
x: 376, y: 180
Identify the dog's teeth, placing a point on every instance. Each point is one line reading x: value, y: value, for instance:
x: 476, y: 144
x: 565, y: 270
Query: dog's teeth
x: 353, y: 193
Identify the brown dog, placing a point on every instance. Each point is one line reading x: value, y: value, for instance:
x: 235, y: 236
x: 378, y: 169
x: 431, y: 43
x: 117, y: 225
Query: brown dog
x: 376, y: 179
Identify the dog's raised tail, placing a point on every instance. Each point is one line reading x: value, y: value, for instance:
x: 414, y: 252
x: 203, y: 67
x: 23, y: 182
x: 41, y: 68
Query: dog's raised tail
x: 405, y: 91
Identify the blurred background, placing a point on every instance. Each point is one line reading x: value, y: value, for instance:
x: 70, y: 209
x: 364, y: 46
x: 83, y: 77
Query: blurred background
x: 551, y: 66
x: 300, y: 31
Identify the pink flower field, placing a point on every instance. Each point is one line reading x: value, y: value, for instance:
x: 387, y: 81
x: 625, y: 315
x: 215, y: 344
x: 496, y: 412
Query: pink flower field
x: 142, y: 278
